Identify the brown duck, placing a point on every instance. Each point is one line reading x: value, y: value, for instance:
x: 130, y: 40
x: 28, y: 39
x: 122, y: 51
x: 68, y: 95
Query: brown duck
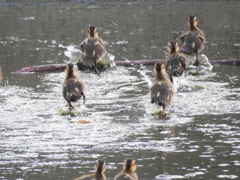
x: 162, y: 89
x: 92, y: 48
x: 128, y: 172
x: 176, y: 63
x: 193, y: 40
x: 72, y: 86
x: 99, y: 173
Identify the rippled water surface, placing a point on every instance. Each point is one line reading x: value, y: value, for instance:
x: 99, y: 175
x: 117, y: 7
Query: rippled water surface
x: 200, y: 139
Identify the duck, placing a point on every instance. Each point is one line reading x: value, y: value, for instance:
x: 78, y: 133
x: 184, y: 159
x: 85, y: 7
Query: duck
x: 128, y: 172
x: 193, y: 40
x: 100, y: 168
x: 73, y: 86
x: 93, y: 48
x: 175, y: 63
x: 162, y: 89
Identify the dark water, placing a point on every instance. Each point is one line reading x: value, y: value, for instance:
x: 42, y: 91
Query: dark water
x: 200, y: 139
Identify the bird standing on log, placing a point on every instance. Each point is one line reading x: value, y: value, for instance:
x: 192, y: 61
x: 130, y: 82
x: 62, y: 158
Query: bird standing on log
x: 175, y: 63
x: 193, y: 40
x: 92, y: 48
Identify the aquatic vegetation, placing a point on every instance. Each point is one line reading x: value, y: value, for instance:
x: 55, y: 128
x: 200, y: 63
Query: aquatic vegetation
x: 159, y: 112
x: 193, y: 72
x: 102, y: 65
x: 67, y: 113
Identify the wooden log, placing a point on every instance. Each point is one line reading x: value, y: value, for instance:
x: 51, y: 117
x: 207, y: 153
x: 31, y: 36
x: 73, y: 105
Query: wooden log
x: 60, y: 67
x: 232, y: 62
x: 41, y: 68
x: 137, y: 62
x: 235, y: 62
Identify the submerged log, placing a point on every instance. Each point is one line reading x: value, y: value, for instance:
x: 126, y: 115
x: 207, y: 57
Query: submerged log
x: 60, y: 67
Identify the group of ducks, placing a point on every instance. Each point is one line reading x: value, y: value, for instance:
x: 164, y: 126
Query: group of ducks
x: 161, y: 91
x: 128, y: 172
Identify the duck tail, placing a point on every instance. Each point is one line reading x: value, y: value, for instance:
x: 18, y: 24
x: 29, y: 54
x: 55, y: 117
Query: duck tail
x: 84, y: 98
x: 185, y: 51
x: 159, y: 102
x: 73, y: 97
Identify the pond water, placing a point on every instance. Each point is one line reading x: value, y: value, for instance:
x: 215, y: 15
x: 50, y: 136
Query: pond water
x: 200, y: 139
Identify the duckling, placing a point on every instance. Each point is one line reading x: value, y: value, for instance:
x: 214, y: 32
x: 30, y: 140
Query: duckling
x: 72, y: 86
x: 92, y: 48
x: 162, y: 89
x: 193, y: 40
x: 175, y: 63
x: 128, y: 172
x: 99, y: 174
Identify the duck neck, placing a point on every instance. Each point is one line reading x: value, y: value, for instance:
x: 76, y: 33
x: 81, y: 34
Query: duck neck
x: 193, y: 28
x: 160, y: 76
x: 70, y: 74
x: 99, y: 171
x: 92, y: 35
x: 173, y: 51
x: 196, y: 29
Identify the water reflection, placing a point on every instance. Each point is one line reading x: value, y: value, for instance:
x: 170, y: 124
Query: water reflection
x: 198, y: 140
x: 1, y: 74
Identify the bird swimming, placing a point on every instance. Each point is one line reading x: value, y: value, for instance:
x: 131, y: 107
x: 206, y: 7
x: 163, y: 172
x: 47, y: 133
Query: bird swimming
x: 100, y: 168
x: 73, y: 86
x: 161, y: 90
x: 128, y: 172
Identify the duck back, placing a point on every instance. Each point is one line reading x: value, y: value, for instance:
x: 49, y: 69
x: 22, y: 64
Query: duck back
x: 162, y: 92
x: 72, y: 90
x: 92, y: 177
x: 175, y: 64
x: 193, y: 42
x: 92, y: 50
x: 126, y: 177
